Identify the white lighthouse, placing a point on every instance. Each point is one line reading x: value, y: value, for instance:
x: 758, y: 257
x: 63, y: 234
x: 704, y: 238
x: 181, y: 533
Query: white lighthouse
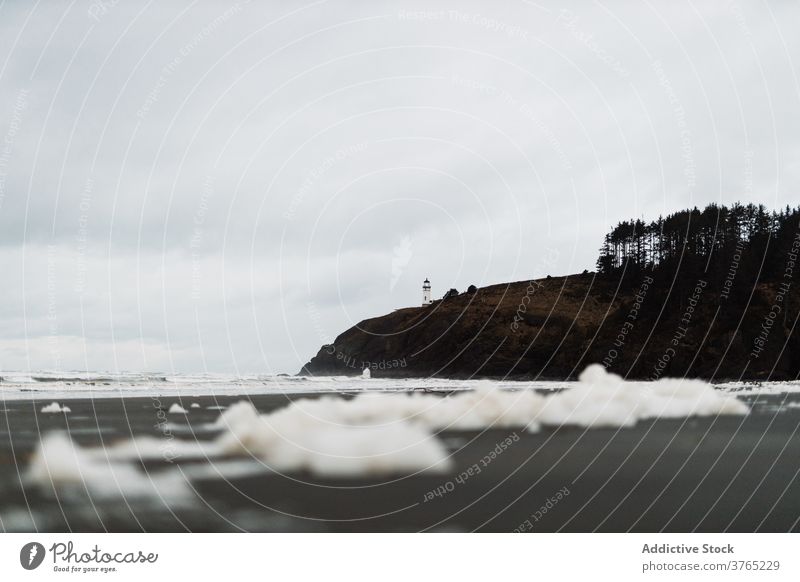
x: 426, y: 293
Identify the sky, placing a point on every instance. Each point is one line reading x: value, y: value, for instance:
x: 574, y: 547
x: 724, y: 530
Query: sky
x: 226, y: 186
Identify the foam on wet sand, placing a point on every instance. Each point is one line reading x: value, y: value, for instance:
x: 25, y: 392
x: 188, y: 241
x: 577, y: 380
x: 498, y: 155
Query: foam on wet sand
x: 55, y: 408
x: 385, y: 434
x: 60, y: 463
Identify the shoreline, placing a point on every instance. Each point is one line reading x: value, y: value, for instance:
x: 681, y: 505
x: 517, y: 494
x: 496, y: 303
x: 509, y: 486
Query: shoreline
x: 532, y: 378
x: 299, y: 387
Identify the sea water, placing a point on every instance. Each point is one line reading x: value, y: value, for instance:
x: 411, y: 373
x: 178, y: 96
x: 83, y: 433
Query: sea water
x: 81, y: 384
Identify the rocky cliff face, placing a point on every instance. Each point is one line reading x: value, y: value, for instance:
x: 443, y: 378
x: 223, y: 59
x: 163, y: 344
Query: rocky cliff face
x: 552, y: 328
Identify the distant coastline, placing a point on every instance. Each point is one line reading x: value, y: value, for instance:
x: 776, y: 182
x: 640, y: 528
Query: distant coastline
x: 571, y: 322
x: 707, y: 294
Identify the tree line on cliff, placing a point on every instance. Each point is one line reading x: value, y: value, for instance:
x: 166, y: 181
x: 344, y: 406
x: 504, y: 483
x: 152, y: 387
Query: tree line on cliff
x: 746, y: 260
x: 706, y: 242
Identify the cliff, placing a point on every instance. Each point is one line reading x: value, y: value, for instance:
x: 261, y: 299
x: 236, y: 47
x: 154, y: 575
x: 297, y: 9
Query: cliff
x: 552, y: 328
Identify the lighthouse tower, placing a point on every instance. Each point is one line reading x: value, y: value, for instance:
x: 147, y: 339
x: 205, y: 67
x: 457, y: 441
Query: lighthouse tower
x: 426, y: 293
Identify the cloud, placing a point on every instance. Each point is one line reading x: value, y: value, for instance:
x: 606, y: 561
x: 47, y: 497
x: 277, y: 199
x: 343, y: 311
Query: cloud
x: 228, y: 182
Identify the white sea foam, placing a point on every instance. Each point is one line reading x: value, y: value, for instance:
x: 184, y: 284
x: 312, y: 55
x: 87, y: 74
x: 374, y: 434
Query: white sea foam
x: 177, y: 409
x: 760, y: 388
x: 389, y: 433
x: 598, y: 399
x: 374, y: 433
x: 58, y: 463
x: 482, y: 408
x: 55, y: 407
x: 604, y: 399
x: 17, y: 378
x: 291, y: 439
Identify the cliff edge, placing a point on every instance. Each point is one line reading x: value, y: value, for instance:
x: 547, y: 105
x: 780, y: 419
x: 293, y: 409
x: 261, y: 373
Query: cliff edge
x: 552, y: 328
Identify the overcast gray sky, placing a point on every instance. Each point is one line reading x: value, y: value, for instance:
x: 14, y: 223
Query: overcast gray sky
x: 225, y: 186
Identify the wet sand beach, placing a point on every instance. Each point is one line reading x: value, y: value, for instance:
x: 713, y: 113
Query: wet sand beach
x: 728, y: 473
